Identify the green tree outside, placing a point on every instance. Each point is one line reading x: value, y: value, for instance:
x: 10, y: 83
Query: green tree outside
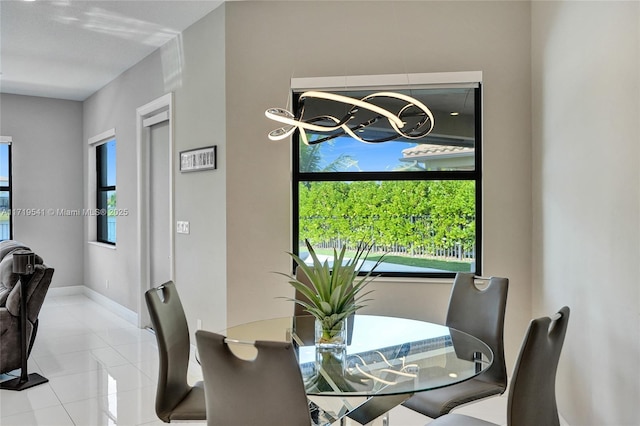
x: 414, y: 218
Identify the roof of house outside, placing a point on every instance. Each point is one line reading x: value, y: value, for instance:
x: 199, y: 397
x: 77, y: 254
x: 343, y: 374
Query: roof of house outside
x: 430, y: 152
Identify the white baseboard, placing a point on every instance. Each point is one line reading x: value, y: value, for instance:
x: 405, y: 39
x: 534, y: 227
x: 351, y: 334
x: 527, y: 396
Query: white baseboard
x: 114, y: 307
x: 65, y: 291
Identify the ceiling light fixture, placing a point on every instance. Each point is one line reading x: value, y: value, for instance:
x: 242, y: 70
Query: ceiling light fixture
x: 344, y: 125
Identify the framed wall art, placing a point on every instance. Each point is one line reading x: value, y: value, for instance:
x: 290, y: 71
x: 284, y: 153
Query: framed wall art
x: 195, y: 160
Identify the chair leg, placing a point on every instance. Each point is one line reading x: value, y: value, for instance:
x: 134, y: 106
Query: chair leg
x: 385, y: 420
x: 375, y: 407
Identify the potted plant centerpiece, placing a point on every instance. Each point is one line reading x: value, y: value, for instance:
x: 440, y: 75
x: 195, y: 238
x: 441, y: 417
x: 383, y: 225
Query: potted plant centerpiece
x: 335, y: 291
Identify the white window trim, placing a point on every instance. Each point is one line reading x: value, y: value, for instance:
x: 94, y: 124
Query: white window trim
x: 102, y: 137
x: 388, y: 81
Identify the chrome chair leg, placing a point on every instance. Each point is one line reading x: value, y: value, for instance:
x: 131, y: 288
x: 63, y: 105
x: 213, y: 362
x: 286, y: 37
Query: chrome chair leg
x: 385, y: 420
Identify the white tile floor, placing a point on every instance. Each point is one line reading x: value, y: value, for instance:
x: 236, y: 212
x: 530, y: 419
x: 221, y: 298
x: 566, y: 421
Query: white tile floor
x: 102, y: 371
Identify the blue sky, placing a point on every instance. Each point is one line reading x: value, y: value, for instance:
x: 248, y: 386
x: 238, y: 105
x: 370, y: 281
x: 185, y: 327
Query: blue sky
x: 371, y: 157
x: 111, y: 162
x: 4, y: 160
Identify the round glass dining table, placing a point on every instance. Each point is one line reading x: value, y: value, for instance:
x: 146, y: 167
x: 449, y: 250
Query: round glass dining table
x: 385, y: 360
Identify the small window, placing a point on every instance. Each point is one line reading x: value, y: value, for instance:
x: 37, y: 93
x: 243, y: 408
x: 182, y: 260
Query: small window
x: 106, y: 191
x: 5, y: 192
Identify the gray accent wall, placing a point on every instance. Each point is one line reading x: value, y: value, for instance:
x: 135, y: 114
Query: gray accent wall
x: 268, y: 43
x: 47, y: 177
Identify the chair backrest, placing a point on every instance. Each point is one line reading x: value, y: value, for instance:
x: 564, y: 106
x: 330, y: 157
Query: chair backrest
x: 266, y: 390
x: 9, y: 279
x: 172, y: 334
x: 532, y: 392
x: 36, y: 291
x: 480, y: 312
x: 36, y: 288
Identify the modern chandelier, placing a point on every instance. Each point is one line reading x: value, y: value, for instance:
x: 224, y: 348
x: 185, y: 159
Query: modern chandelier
x: 422, y: 118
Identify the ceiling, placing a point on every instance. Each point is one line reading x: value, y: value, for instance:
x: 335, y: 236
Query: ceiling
x: 70, y: 49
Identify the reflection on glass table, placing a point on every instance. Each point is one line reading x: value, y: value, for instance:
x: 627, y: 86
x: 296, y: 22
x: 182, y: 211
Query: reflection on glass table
x: 386, y: 360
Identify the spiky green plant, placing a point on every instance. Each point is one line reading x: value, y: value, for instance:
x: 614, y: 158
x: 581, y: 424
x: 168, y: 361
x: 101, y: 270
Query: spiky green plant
x: 337, y: 291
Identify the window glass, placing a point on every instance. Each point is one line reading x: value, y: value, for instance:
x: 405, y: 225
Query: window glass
x: 5, y: 216
x: 106, y: 191
x: 107, y: 163
x: 415, y: 199
x: 449, y: 146
x: 423, y: 226
x: 5, y: 192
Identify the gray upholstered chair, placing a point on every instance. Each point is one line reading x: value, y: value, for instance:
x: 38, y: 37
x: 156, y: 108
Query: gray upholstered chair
x: 175, y: 398
x: 532, y: 392
x: 37, y: 287
x: 479, y: 312
x: 267, y: 390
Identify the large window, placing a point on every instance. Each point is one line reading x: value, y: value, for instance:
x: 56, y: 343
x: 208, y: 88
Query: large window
x: 106, y: 191
x: 416, y: 200
x: 5, y: 192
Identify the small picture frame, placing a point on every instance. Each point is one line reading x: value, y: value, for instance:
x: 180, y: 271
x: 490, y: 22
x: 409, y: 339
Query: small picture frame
x: 195, y: 160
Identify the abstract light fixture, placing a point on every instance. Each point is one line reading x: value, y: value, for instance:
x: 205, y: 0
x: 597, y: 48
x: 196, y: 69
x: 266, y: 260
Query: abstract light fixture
x: 405, y: 371
x: 335, y: 126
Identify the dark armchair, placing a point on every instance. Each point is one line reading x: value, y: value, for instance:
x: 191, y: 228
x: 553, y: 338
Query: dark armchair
x: 10, y: 349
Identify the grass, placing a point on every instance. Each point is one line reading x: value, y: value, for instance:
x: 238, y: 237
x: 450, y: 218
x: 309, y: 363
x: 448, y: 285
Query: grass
x: 420, y: 262
x: 447, y: 265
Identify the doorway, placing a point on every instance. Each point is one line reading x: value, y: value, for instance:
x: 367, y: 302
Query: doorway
x: 155, y: 197
x: 158, y: 214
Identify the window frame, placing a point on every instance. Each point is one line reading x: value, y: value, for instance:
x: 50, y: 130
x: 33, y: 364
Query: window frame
x: 102, y: 219
x: 428, y: 175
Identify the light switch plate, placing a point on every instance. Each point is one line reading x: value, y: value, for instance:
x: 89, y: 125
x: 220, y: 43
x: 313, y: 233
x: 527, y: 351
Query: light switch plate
x: 182, y: 227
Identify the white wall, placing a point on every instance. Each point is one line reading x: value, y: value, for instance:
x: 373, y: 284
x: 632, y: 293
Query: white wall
x: 586, y: 136
x: 114, y: 106
x: 200, y: 196
x: 47, y: 158
x: 192, y: 67
x: 270, y: 42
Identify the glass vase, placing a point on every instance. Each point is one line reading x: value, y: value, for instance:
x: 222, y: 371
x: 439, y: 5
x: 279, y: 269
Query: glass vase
x: 331, y: 337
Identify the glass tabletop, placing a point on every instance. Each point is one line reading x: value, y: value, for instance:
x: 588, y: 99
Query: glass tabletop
x: 383, y: 355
